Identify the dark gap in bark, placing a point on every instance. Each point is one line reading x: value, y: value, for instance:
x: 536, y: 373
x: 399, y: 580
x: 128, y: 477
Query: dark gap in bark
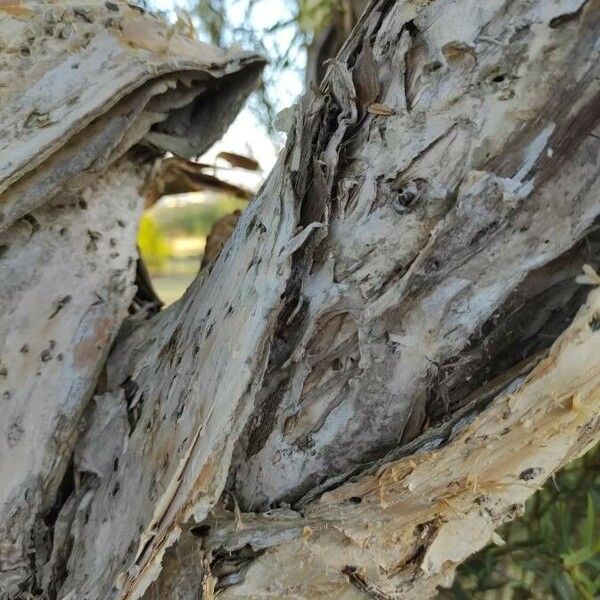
x: 42, y: 539
x: 229, y: 567
x: 146, y: 299
x: 264, y: 419
x: 65, y: 489
x: 529, y: 321
x: 312, y: 193
x: 566, y: 17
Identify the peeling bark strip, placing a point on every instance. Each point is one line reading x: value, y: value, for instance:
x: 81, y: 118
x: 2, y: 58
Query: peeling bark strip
x: 80, y: 85
x: 405, y: 527
x: 401, y: 267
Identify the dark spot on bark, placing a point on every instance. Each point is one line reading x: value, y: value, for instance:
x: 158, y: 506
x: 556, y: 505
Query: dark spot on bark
x: 171, y: 345
x: 35, y: 225
x: 47, y: 354
x: 112, y: 6
x: 120, y: 223
x: 433, y: 66
x: 135, y: 7
x: 179, y: 411
x: 83, y: 14
x: 200, y: 530
x: 336, y: 364
x: 498, y: 78
x: 116, y: 489
x: 116, y: 464
x: 4, y: 371
x: 595, y: 322
x: 25, y: 51
x: 481, y: 234
x: 83, y: 204
x: 412, y: 29
x: 355, y: 500
x: 531, y: 473
x: 250, y: 226
x: 565, y: 18
x: 59, y: 305
x: 130, y: 388
x: 404, y: 200
x: 94, y: 237
x: 3, y: 250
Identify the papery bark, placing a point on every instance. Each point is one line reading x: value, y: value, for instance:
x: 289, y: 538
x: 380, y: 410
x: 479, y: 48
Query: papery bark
x: 91, y: 95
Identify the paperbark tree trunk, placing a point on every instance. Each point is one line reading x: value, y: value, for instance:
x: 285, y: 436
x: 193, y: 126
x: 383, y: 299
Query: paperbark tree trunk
x: 389, y: 355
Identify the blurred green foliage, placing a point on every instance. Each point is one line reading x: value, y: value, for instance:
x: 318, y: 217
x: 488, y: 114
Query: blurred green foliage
x: 553, y: 551
x: 152, y: 242
x: 313, y: 15
x: 194, y: 219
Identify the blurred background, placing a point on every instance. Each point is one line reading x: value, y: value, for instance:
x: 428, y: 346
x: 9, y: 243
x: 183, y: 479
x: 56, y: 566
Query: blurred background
x: 553, y: 550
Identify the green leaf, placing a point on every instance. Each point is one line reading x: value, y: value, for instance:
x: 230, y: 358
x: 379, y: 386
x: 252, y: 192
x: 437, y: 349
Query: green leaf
x: 577, y: 557
x: 589, y: 522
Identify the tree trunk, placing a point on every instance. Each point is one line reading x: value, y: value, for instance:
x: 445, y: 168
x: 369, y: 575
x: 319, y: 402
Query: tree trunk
x: 387, y: 358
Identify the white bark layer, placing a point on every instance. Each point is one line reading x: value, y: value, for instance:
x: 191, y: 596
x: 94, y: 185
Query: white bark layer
x: 81, y: 84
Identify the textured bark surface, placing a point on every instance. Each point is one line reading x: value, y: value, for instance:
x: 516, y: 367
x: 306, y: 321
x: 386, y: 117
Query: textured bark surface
x: 81, y: 84
x: 433, y: 219
x: 387, y: 358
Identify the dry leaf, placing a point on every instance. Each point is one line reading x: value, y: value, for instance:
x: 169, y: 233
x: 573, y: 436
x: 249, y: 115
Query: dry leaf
x: 220, y: 233
x: 179, y: 176
x: 240, y: 161
x: 381, y: 109
x: 365, y: 77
